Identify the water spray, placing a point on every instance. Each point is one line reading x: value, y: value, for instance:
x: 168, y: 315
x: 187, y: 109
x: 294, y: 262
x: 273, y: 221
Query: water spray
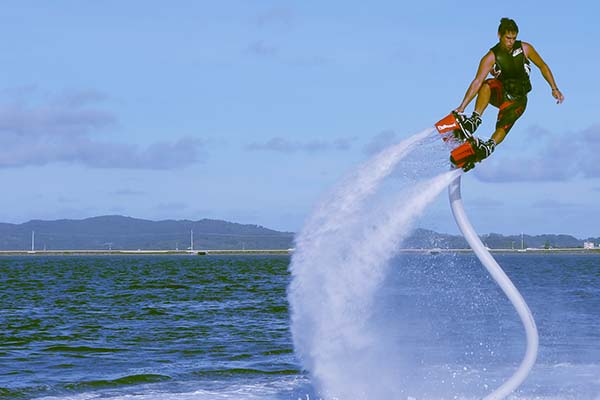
x: 341, y: 258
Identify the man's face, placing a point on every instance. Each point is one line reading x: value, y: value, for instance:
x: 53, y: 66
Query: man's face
x: 507, y: 40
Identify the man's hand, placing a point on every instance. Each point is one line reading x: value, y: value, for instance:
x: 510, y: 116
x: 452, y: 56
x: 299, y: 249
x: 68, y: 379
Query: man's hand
x: 557, y: 95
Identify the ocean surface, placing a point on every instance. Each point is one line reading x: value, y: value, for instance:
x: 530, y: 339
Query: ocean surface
x: 217, y: 327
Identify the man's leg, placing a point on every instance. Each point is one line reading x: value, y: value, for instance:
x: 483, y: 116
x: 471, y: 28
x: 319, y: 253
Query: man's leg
x: 470, y: 124
x: 507, y: 116
x: 499, y: 135
x: 509, y: 113
x: 491, y: 93
x: 483, y: 98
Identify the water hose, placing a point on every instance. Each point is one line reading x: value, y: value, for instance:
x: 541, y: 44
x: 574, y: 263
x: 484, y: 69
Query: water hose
x: 507, y: 287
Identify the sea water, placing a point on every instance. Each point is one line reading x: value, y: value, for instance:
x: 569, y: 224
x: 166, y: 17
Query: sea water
x: 218, y: 327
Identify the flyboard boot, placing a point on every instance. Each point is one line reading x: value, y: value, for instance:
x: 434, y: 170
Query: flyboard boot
x: 472, y: 151
x: 458, y: 126
x: 458, y: 129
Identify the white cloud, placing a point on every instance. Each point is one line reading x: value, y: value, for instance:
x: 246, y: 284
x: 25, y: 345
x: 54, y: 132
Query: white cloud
x: 553, y: 204
x: 262, y: 49
x: 283, y: 145
x: 380, y: 141
x: 63, y: 128
x: 276, y: 17
x: 548, y: 157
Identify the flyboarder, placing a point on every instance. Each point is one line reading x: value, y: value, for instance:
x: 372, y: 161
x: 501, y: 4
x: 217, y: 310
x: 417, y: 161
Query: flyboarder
x: 509, y: 64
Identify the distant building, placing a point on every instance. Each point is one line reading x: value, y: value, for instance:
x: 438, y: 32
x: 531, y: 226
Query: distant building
x: 588, y: 245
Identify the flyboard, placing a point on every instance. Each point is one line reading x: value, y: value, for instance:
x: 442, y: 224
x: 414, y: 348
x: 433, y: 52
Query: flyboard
x: 463, y: 155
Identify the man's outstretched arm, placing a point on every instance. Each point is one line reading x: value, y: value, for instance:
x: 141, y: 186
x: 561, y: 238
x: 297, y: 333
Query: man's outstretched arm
x: 534, y: 56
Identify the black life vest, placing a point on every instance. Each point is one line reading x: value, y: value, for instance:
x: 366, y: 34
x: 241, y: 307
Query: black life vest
x: 512, y: 69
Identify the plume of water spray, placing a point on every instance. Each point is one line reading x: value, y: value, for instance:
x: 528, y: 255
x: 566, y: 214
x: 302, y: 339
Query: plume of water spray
x: 340, y: 260
x: 344, y: 199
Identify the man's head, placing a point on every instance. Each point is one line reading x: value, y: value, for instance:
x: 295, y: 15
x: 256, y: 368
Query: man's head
x: 507, y: 25
x: 507, y: 33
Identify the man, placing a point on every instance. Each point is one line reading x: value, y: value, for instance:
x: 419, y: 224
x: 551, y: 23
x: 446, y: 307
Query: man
x: 508, y: 62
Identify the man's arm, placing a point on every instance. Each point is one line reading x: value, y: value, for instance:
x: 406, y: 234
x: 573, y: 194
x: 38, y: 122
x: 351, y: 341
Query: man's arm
x: 485, y: 66
x: 534, y: 56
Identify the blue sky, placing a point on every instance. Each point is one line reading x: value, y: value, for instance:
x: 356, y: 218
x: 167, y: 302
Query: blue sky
x: 249, y: 110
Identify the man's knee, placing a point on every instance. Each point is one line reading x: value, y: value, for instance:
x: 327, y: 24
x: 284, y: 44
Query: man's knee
x: 485, y: 88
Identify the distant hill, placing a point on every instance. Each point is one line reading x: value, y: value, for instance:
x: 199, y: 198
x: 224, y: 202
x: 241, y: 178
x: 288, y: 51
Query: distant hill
x: 423, y: 238
x: 125, y: 233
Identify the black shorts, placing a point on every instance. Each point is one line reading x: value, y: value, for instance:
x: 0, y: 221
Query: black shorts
x: 509, y: 110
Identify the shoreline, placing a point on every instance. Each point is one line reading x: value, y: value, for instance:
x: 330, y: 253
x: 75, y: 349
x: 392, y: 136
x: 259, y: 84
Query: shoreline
x: 271, y: 252
x: 139, y: 252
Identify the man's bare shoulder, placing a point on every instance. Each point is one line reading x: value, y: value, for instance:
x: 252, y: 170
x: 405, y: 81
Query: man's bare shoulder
x: 531, y: 53
x: 527, y: 47
x: 489, y: 57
